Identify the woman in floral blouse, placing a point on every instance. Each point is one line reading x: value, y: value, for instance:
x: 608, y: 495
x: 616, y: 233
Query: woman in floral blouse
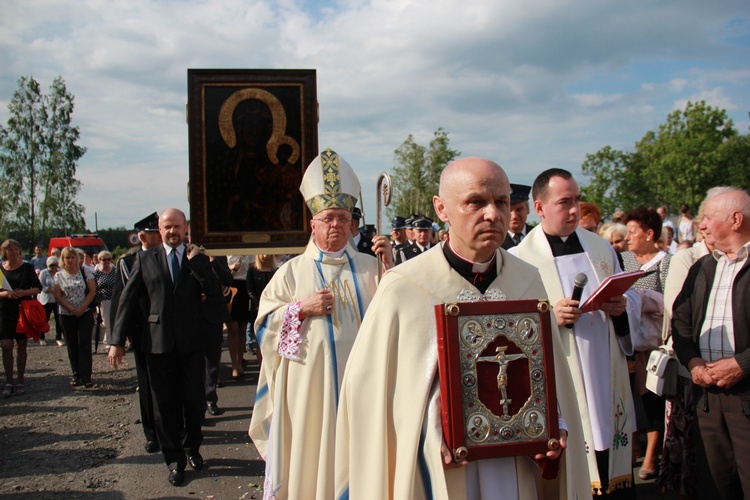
x: 74, y: 291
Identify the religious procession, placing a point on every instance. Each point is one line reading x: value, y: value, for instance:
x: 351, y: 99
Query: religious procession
x: 528, y: 361
x: 509, y: 344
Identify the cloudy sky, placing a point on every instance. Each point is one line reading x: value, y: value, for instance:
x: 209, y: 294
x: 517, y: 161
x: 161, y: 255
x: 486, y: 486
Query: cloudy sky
x: 529, y: 83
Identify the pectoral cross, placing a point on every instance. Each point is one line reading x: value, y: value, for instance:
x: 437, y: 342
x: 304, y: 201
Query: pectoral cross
x: 502, y: 374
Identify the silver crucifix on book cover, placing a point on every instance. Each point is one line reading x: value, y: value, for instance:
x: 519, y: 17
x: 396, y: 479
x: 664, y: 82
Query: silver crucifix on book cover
x: 497, y: 378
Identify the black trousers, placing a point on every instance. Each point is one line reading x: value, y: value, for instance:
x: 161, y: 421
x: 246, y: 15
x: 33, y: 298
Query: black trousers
x: 145, y: 399
x: 77, y: 333
x: 54, y: 308
x: 213, y: 359
x: 177, y: 381
x: 725, y: 428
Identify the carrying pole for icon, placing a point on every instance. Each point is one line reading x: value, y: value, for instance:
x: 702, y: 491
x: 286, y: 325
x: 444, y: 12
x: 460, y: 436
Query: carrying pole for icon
x: 383, y: 197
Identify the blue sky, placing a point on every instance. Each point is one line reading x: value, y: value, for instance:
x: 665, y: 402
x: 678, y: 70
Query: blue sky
x: 530, y: 84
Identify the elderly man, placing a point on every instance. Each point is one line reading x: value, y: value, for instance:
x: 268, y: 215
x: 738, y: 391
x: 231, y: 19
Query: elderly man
x: 519, y: 212
x: 176, y: 278
x: 389, y: 437
x: 711, y: 331
x: 596, y: 343
x: 308, y: 317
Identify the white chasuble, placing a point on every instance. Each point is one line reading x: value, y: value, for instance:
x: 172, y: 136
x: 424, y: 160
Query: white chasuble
x: 605, y: 359
x: 294, y: 417
x: 389, y: 431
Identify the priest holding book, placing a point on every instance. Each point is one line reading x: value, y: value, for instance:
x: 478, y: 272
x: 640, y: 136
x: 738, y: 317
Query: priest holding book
x: 389, y: 437
x: 595, y: 343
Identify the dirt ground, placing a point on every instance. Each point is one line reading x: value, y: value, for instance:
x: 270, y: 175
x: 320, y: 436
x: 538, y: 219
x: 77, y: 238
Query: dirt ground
x: 75, y: 443
x: 64, y: 442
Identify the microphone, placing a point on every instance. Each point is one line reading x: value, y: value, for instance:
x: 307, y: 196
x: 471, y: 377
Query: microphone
x: 579, y: 282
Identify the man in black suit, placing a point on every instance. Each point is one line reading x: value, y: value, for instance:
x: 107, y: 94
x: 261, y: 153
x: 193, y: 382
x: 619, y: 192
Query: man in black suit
x: 519, y: 211
x: 177, y: 278
x: 149, y: 236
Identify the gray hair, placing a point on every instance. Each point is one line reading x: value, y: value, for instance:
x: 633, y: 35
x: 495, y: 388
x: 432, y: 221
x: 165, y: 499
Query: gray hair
x: 53, y: 260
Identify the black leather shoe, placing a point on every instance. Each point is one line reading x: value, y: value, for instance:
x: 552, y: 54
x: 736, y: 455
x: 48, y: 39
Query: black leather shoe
x: 152, y: 446
x: 214, y: 410
x: 176, y: 477
x: 196, y: 461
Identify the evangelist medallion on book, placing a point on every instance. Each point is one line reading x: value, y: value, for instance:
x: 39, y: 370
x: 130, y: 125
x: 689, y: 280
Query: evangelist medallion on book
x: 497, y: 378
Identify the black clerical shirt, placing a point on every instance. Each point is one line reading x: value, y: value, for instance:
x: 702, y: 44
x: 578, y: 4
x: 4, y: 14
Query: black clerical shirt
x: 465, y: 268
x: 570, y: 246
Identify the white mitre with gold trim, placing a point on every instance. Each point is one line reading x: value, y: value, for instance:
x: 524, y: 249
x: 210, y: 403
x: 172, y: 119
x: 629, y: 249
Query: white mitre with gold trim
x: 329, y: 182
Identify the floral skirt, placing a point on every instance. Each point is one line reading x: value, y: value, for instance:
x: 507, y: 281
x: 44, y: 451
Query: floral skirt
x: 677, y: 469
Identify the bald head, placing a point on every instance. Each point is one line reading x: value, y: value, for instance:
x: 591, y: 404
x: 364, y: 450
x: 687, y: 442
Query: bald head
x: 173, y: 227
x: 457, y: 172
x: 474, y: 198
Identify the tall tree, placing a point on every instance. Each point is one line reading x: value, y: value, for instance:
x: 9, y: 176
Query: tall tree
x: 39, y: 152
x: 416, y: 174
x: 697, y: 148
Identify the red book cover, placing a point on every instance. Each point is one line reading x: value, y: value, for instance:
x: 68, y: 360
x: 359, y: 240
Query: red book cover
x: 611, y: 286
x: 497, y: 379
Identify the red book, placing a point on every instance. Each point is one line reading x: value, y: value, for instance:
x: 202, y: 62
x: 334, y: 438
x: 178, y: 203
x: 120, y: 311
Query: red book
x: 497, y: 379
x: 611, y: 286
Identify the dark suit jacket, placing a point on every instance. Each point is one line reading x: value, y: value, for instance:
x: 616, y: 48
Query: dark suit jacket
x: 508, y: 243
x: 408, y: 251
x: 139, y: 325
x: 216, y: 308
x: 176, y: 317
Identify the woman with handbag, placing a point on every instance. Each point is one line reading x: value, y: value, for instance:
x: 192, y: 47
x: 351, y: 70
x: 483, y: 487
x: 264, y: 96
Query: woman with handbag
x: 19, y: 283
x: 644, y: 230
x: 74, y: 291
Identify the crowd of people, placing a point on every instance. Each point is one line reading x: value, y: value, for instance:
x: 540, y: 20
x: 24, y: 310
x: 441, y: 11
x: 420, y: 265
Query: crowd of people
x: 348, y: 402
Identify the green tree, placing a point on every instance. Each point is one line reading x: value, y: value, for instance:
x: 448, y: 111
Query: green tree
x: 38, y: 155
x: 115, y: 237
x: 697, y: 148
x: 416, y: 174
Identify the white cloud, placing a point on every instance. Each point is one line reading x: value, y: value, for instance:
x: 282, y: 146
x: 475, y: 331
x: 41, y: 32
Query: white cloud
x: 530, y: 84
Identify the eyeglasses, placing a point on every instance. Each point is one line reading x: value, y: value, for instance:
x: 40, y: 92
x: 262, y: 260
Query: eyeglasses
x: 52, y: 265
x: 105, y: 260
x: 330, y: 220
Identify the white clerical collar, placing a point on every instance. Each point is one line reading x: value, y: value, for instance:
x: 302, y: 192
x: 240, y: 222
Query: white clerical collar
x: 334, y: 255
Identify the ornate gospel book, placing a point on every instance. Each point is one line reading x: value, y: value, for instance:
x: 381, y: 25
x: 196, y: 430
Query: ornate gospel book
x: 497, y: 378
